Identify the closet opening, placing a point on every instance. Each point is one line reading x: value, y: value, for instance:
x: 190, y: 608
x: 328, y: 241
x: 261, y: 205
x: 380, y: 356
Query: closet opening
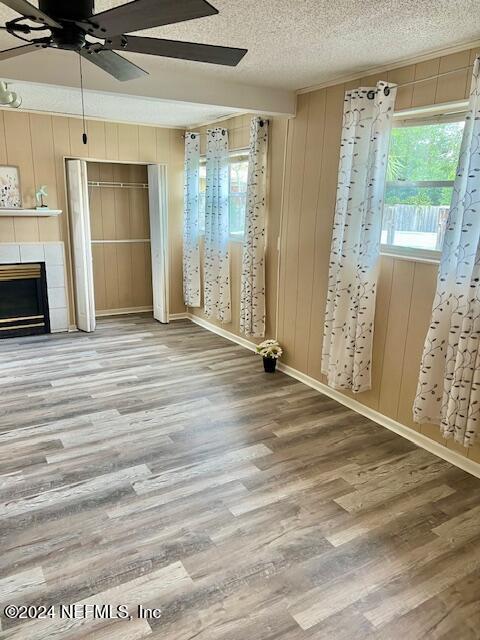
x: 118, y: 226
x: 120, y: 238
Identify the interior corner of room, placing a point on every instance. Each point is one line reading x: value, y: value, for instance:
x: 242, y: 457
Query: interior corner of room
x: 238, y: 319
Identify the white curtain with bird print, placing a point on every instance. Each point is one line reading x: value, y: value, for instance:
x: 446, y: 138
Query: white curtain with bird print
x: 217, y: 304
x: 355, y: 247
x: 252, y: 291
x: 448, y: 390
x: 191, y: 249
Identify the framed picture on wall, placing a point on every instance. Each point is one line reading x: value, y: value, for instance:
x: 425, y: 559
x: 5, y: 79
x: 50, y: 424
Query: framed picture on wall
x: 10, y: 191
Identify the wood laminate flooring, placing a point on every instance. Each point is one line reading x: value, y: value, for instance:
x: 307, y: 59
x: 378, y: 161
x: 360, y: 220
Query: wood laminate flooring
x: 158, y: 465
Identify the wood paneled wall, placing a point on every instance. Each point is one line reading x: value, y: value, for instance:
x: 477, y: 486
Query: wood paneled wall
x: 120, y: 228
x: 406, y: 288
x: 239, y: 137
x: 39, y: 144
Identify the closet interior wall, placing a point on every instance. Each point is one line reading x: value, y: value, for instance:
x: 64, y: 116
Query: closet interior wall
x: 120, y: 229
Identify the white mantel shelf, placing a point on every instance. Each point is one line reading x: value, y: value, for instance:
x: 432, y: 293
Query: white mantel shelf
x: 30, y: 213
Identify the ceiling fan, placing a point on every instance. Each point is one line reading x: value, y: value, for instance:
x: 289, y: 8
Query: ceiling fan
x: 74, y: 26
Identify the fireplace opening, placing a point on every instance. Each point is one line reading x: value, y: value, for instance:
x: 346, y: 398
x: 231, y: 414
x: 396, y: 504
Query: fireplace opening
x: 23, y: 300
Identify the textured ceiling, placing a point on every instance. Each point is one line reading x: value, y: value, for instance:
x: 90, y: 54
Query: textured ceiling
x: 298, y: 43
x: 114, y: 107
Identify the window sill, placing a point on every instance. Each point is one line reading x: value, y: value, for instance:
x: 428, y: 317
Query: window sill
x: 410, y: 253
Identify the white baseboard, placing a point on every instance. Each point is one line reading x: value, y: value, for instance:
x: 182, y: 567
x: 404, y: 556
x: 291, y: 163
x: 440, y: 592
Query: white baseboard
x: 222, y: 332
x: 178, y: 316
x: 122, y: 312
x: 470, y: 466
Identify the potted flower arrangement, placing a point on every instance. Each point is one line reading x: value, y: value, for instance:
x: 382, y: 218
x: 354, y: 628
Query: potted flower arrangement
x: 270, y: 350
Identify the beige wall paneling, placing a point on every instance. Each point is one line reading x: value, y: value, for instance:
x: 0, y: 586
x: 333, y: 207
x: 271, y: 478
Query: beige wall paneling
x: 141, y: 274
x: 124, y: 270
x: 19, y: 152
x: 404, y: 94
x: 109, y: 220
x: 44, y: 172
x: 111, y: 141
x: 77, y: 148
x: 397, y: 323
x: 327, y: 185
x: 423, y: 291
x: 139, y: 214
x: 147, y: 144
x: 112, y: 293
x: 120, y: 213
x: 291, y: 230
x: 7, y: 228
x: 290, y: 137
x: 424, y: 91
x: 99, y: 276
x: 175, y: 219
x: 96, y: 218
x: 128, y: 142
x: 97, y: 139
x: 306, y: 224
x: 276, y: 154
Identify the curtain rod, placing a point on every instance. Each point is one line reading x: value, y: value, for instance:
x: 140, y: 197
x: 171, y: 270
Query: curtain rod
x: 229, y: 129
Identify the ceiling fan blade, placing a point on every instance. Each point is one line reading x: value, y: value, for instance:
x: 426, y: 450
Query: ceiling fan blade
x: 143, y: 14
x: 117, y: 66
x: 17, y: 51
x: 229, y: 56
x: 29, y: 11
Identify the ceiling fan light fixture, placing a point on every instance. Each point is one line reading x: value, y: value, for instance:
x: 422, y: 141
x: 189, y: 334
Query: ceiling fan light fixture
x: 73, y: 25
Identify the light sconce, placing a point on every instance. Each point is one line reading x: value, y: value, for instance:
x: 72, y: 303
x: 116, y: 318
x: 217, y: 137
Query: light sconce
x: 9, y: 98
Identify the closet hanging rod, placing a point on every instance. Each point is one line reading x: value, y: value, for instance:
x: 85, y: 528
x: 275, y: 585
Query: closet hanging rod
x: 119, y: 185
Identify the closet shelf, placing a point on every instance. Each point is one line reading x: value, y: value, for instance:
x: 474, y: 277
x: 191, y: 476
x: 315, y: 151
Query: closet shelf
x: 118, y: 185
x: 30, y: 213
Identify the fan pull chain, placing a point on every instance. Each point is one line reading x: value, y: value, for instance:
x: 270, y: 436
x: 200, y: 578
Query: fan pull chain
x: 84, y: 134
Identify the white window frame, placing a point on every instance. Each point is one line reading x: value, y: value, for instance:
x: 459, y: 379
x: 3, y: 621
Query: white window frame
x: 453, y: 112
x: 232, y: 155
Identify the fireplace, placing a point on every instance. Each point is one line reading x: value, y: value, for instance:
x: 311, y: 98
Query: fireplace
x: 23, y: 300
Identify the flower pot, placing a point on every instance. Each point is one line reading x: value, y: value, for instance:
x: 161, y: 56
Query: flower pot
x: 269, y: 364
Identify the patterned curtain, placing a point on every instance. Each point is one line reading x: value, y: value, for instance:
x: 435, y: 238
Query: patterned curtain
x: 252, y: 296
x: 448, y: 390
x: 217, y: 257
x: 191, y: 251
x: 352, y: 280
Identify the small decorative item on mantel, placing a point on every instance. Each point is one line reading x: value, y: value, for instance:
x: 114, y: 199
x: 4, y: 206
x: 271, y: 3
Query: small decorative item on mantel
x: 39, y: 197
x: 271, y: 351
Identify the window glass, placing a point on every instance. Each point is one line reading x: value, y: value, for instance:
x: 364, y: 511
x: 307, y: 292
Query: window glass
x: 421, y: 169
x: 201, y: 195
x: 237, y: 197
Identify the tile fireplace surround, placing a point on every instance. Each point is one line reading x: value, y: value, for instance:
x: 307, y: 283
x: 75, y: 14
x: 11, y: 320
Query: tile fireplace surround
x: 53, y: 254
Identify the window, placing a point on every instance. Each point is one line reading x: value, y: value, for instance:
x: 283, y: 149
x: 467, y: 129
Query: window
x: 421, y: 169
x: 237, y: 193
x: 201, y: 194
